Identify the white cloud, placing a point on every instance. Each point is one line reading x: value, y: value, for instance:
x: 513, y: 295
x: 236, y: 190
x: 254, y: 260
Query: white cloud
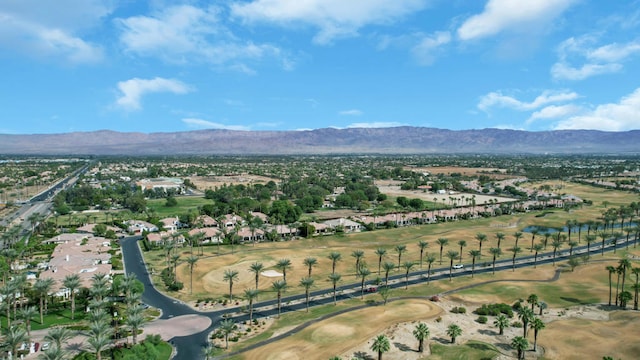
x: 554, y: 112
x: 497, y: 99
x: 426, y: 50
x: 596, y: 60
x: 380, y: 124
x: 501, y: 15
x: 205, y: 124
x: 52, y: 29
x: 183, y: 34
x: 333, y: 18
x: 134, y: 89
x: 619, y: 116
x: 352, y: 112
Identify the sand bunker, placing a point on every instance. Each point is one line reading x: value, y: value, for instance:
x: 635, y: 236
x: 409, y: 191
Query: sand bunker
x: 271, y: 273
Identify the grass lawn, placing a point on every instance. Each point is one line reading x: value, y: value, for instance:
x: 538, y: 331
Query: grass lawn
x: 471, y: 350
x: 61, y: 317
x: 185, y: 204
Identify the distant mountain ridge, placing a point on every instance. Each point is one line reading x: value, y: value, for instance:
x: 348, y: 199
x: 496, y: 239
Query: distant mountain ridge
x: 395, y: 140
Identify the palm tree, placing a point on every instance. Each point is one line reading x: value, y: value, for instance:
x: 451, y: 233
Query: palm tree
x: 15, y: 336
x: 452, y: 255
x: 430, y: 259
x: 603, y: 237
x: 496, y: 252
x: 454, y: 331
x: 520, y: 344
x: 422, y: 245
x: 279, y: 286
x: 407, y: 265
x: 334, y: 278
x: 310, y: 262
x: 381, y: 345
x: 611, y: 271
x: 624, y: 264
x: 589, y: 239
x: 556, y: 244
x: 474, y: 254
x: 26, y: 314
x: 42, y: 287
x: 462, y: 244
x: 636, y: 287
x: 536, y: 324
x: 72, y: 283
x: 541, y: 305
x: 421, y: 332
x: 251, y: 295
x: 535, y: 231
x: 387, y: 266
x: 175, y: 260
x: 516, y: 250
x: 58, y: 335
x: 283, y: 265
x: 192, y: 260
x: 307, y: 283
x: 134, y: 321
x: 256, y: 268
x: 500, y: 237
x: 97, y: 343
x: 227, y: 327
x: 400, y: 249
x: 334, y: 256
x: 537, y: 248
x: 363, y: 272
x: 533, y: 300
x: 501, y: 322
x: 230, y: 276
x: 52, y: 353
x: 442, y: 242
x: 358, y: 255
x: 381, y: 252
x: 481, y: 238
x: 526, y: 315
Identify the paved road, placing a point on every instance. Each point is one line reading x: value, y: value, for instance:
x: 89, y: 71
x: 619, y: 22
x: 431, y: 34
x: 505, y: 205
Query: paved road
x: 191, y: 347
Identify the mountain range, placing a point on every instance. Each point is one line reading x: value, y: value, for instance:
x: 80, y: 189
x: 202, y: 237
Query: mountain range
x: 395, y: 140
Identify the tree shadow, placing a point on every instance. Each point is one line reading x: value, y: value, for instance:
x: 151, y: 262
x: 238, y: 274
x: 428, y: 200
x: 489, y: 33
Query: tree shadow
x: 402, y: 347
x: 488, y: 332
x: 504, y: 346
x: 573, y: 300
x: 480, y: 346
x: 442, y: 340
x: 361, y: 355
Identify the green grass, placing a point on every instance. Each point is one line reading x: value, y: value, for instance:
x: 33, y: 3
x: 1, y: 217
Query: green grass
x: 471, y: 350
x: 185, y: 204
x: 61, y: 317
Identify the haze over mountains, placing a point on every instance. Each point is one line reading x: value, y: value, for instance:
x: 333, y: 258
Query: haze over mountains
x: 396, y: 140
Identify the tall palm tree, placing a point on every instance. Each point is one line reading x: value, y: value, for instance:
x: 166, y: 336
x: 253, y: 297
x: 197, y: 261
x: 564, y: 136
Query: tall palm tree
x: 589, y: 239
x: 283, y: 265
x: 462, y: 244
x: 430, y: 260
x: 42, y: 287
x: 334, y: 256
x: 611, y: 271
x: 251, y: 295
x: 98, y: 343
x: 526, y: 316
x: 400, y: 249
x: 227, y: 327
x: 381, y: 252
x: 536, y: 324
x: 15, y: 336
x: 407, y: 265
x: 175, y: 261
x: 533, y: 300
x: 421, y: 332
x: 535, y: 231
x: 474, y: 254
x: 52, y: 353
x: 363, y: 272
x: 230, y: 276
x: 191, y: 261
x: 306, y: 283
x: 481, y: 238
x: 26, y: 314
x: 624, y: 264
x: 452, y: 255
x: 381, y: 345
x: 310, y: 262
x: 556, y: 244
x: 537, y: 248
x: 422, y: 245
x: 358, y: 255
x: 520, y: 344
x: 58, y: 335
x: 279, y: 286
x: 603, y: 236
x: 256, y: 268
x: 454, y: 331
x: 72, y: 283
x: 134, y: 322
x: 501, y: 322
x: 636, y: 287
x: 500, y: 237
x: 495, y: 252
x: 518, y: 236
x: 387, y: 266
x: 515, y: 250
x: 442, y: 242
x: 334, y: 278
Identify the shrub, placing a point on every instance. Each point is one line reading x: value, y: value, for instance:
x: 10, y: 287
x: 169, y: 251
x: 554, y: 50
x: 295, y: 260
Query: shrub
x: 459, y: 310
x: 482, y: 319
x: 516, y: 324
x: 494, y: 310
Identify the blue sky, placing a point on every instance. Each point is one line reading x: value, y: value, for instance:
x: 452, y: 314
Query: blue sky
x: 156, y: 66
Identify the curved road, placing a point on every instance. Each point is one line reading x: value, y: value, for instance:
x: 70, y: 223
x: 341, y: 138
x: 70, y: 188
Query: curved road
x: 191, y: 347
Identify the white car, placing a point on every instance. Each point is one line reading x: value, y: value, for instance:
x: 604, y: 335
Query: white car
x: 458, y: 266
x: 45, y: 346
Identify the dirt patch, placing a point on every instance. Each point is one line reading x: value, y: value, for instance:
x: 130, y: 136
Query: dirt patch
x: 211, y: 182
